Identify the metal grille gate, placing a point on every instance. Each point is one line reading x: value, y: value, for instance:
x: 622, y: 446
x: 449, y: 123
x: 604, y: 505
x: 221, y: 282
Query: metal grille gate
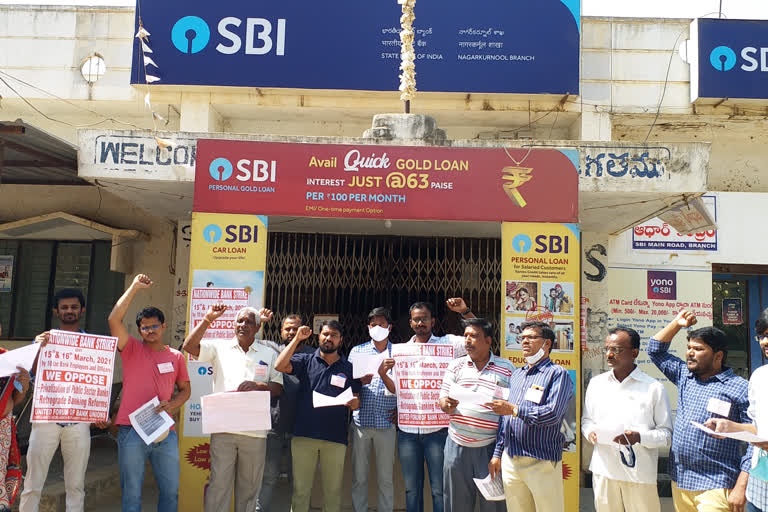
x: 348, y: 275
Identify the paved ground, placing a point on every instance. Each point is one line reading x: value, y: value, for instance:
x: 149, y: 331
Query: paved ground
x: 103, y: 487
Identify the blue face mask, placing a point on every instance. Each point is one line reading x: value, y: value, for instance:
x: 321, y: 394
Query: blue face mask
x: 760, y: 471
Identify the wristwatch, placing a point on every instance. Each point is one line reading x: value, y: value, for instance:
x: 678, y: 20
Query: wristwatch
x: 468, y: 311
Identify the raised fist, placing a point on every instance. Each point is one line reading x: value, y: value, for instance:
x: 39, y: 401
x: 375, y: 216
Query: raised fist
x: 265, y: 315
x: 142, y: 281
x: 303, y: 333
x: 457, y: 305
x: 215, y: 311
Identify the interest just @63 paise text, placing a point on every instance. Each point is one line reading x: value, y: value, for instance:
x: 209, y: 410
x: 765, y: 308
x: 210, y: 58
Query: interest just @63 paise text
x: 394, y: 180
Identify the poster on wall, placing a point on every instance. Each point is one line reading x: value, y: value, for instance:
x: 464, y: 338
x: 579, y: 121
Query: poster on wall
x: 647, y: 299
x: 541, y: 282
x: 6, y: 273
x: 733, y: 312
x: 203, y: 298
x: 227, y: 262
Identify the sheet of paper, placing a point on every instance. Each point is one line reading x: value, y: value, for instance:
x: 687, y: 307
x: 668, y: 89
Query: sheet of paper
x: 23, y: 357
x: 149, y: 424
x: 747, y: 437
x: 492, y: 490
x: 366, y: 364
x: 606, y: 434
x: 321, y: 400
x: 240, y: 411
x: 467, y: 396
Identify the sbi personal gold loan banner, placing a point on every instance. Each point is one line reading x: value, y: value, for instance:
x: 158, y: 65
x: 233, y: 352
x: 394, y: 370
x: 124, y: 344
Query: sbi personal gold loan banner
x: 227, y: 263
x: 540, y: 281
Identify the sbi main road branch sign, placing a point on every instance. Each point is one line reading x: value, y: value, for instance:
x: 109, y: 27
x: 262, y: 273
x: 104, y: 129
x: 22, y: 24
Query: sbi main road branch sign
x: 729, y: 59
x: 491, y: 46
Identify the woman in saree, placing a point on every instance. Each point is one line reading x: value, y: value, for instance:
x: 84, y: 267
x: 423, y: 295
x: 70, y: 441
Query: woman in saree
x: 13, y: 389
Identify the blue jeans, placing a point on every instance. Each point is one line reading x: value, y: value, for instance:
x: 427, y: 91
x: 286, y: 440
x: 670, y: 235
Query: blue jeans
x: 164, y: 457
x: 752, y: 508
x: 412, y: 450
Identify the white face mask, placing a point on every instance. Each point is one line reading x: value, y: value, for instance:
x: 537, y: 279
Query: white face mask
x: 535, y: 358
x: 378, y: 333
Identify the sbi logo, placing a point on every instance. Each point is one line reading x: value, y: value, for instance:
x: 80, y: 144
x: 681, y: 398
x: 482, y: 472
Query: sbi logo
x: 205, y: 370
x: 213, y: 234
x: 191, y: 34
x: 552, y: 244
x: 724, y: 58
x: 221, y: 169
x: 521, y: 243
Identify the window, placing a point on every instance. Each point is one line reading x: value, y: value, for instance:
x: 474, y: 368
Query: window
x: 40, y: 268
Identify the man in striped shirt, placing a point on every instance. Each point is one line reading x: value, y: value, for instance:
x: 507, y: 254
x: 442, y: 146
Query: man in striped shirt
x: 529, y: 445
x: 473, y: 428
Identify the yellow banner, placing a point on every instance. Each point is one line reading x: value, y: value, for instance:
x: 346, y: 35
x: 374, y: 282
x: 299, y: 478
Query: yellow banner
x: 228, y: 255
x: 540, y: 281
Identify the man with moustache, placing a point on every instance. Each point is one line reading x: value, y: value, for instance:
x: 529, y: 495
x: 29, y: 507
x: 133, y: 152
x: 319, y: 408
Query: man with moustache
x: 626, y: 399
x: 529, y: 446
x: 474, y: 427
x: 372, y: 426
x: 322, y: 432
x: 708, y: 474
x: 74, y: 438
x: 283, y: 419
x: 150, y: 369
x: 417, y: 445
x: 239, y: 364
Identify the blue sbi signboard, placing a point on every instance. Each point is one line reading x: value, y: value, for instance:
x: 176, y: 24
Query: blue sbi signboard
x: 731, y: 59
x: 490, y: 46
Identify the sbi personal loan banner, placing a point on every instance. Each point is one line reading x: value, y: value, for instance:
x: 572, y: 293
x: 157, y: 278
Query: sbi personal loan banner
x: 540, y: 281
x: 492, y: 46
x: 228, y: 256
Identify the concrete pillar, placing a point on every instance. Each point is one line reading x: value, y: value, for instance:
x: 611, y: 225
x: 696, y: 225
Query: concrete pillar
x: 593, y: 126
x: 198, y: 115
x: 413, y: 127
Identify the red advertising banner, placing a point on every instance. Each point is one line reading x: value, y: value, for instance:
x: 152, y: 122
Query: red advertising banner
x: 74, y: 378
x: 386, y: 182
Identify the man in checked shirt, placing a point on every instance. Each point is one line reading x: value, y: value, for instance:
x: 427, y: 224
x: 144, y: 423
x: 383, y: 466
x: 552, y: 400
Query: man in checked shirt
x: 708, y: 474
x: 529, y: 445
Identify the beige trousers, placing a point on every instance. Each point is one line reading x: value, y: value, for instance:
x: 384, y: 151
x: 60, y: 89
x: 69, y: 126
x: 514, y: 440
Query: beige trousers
x: 616, y: 495
x: 532, y: 485
x: 713, y: 500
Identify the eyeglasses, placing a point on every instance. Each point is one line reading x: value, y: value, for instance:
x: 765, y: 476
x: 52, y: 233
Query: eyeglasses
x: 147, y: 328
x: 526, y: 337
x: 614, y: 350
x: 761, y: 337
x: 420, y: 320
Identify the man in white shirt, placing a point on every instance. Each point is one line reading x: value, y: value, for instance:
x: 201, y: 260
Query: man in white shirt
x: 627, y: 418
x: 415, y: 445
x: 239, y: 364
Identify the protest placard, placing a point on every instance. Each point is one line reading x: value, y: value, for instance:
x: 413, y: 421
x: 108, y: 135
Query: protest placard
x: 419, y: 370
x: 74, y: 378
x: 203, y: 298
